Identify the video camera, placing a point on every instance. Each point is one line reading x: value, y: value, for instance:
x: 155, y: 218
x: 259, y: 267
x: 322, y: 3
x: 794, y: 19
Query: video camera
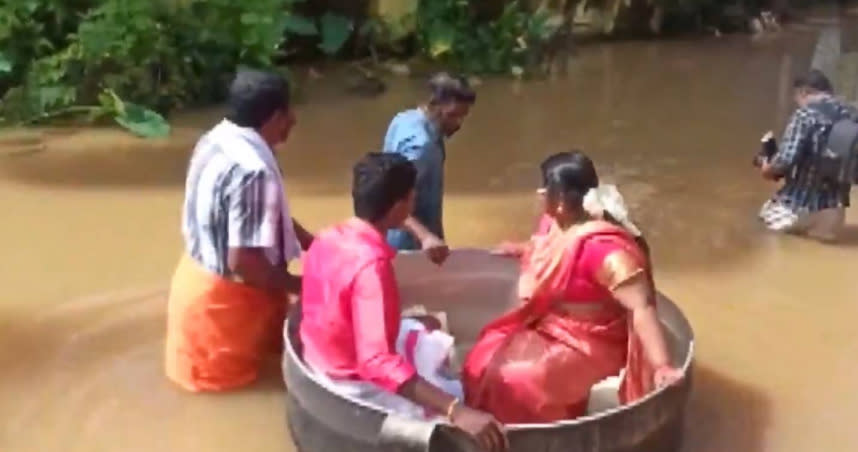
x: 768, y: 148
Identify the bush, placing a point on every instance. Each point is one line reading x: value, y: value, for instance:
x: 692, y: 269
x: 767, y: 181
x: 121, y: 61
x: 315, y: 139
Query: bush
x: 158, y: 54
x: 453, y: 32
x: 123, y: 58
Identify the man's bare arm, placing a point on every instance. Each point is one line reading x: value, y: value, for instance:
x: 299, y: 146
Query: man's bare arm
x: 435, y: 248
x: 420, y: 232
x: 252, y: 266
x: 427, y: 395
x: 305, y: 238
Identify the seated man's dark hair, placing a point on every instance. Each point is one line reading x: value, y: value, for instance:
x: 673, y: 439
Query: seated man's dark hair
x: 379, y: 182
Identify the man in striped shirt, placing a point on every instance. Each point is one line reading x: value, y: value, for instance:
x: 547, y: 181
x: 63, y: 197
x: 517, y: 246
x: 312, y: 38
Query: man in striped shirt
x: 807, y: 203
x: 229, y: 294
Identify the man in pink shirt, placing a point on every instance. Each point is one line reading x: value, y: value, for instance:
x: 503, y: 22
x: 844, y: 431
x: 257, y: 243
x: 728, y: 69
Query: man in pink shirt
x: 351, y: 307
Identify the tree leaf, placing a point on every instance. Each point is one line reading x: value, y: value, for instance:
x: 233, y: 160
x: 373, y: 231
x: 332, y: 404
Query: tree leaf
x: 143, y: 122
x: 5, y: 64
x: 250, y: 19
x: 440, y: 40
x: 54, y: 96
x: 116, y: 103
x: 336, y: 30
x: 299, y: 25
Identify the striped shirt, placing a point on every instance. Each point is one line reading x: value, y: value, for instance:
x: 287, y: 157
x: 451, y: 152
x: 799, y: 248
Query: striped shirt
x: 234, y: 199
x: 804, y: 140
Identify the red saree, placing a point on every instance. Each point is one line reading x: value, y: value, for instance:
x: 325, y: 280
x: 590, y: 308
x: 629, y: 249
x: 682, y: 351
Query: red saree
x: 537, y: 363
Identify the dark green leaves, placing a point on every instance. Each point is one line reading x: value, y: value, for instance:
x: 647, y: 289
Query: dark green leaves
x: 137, y: 119
x: 336, y: 30
x: 143, y: 122
x: 5, y: 64
x: 300, y: 25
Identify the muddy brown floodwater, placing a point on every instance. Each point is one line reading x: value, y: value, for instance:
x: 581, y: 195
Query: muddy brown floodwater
x: 91, y: 233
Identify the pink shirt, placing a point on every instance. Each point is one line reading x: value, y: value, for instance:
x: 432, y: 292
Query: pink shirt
x: 351, y: 308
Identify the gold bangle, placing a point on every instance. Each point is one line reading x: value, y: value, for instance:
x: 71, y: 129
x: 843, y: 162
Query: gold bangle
x: 451, y: 408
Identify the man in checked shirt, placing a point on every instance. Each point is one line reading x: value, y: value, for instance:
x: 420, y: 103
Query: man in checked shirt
x: 807, y: 203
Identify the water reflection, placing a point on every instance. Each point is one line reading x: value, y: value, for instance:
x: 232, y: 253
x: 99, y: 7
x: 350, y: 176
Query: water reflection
x: 715, y: 425
x: 849, y: 237
x: 96, y: 364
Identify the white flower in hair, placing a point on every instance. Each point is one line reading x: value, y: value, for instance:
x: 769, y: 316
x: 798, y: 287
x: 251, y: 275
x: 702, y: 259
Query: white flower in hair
x: 593, y: 203
x: 606, y: 198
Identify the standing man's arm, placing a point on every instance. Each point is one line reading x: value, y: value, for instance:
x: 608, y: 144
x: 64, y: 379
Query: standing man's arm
x: 305, y: 238
x: 252, y: 228
x: 435, y: 248
x: 787, y: 156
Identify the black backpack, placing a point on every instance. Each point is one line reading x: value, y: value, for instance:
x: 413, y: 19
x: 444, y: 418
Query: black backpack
x: 838, y: 163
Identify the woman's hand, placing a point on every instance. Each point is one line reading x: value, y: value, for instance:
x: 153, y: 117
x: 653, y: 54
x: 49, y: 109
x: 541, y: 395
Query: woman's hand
x: 484, y: 428
x: 510, y: 249
x: 666, y: 376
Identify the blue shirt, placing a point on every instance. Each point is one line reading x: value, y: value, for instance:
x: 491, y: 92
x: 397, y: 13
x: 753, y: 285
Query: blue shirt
x: 798, y: 158
x: 412, y: 135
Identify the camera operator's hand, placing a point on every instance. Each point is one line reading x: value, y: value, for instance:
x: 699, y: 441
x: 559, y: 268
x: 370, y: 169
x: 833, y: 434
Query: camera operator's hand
x: 758, y: 161
x: 768, y: 148
x: 767, y: 170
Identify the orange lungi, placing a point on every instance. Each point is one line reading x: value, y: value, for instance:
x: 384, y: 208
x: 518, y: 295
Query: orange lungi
x: 219, y: 330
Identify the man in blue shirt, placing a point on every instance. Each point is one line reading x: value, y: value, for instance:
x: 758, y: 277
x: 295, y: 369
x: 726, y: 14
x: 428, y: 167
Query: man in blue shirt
x: 418, y: 134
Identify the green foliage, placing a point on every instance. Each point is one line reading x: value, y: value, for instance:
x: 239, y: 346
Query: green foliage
x: 376, y: 34
x: 31, y: 29
x: 155, y: 55
x: 5, y: 64
x: 335, y: 31
x: 300, y: 25
x: 129, y: 59
x: 449, y: 31
x: 136, y: 119
x: 134, y: 61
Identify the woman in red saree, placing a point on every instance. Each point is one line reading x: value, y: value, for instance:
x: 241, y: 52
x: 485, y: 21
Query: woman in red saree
x: 588, y: 311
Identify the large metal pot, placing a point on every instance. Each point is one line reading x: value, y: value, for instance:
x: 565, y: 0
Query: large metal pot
x: 473, y: 288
